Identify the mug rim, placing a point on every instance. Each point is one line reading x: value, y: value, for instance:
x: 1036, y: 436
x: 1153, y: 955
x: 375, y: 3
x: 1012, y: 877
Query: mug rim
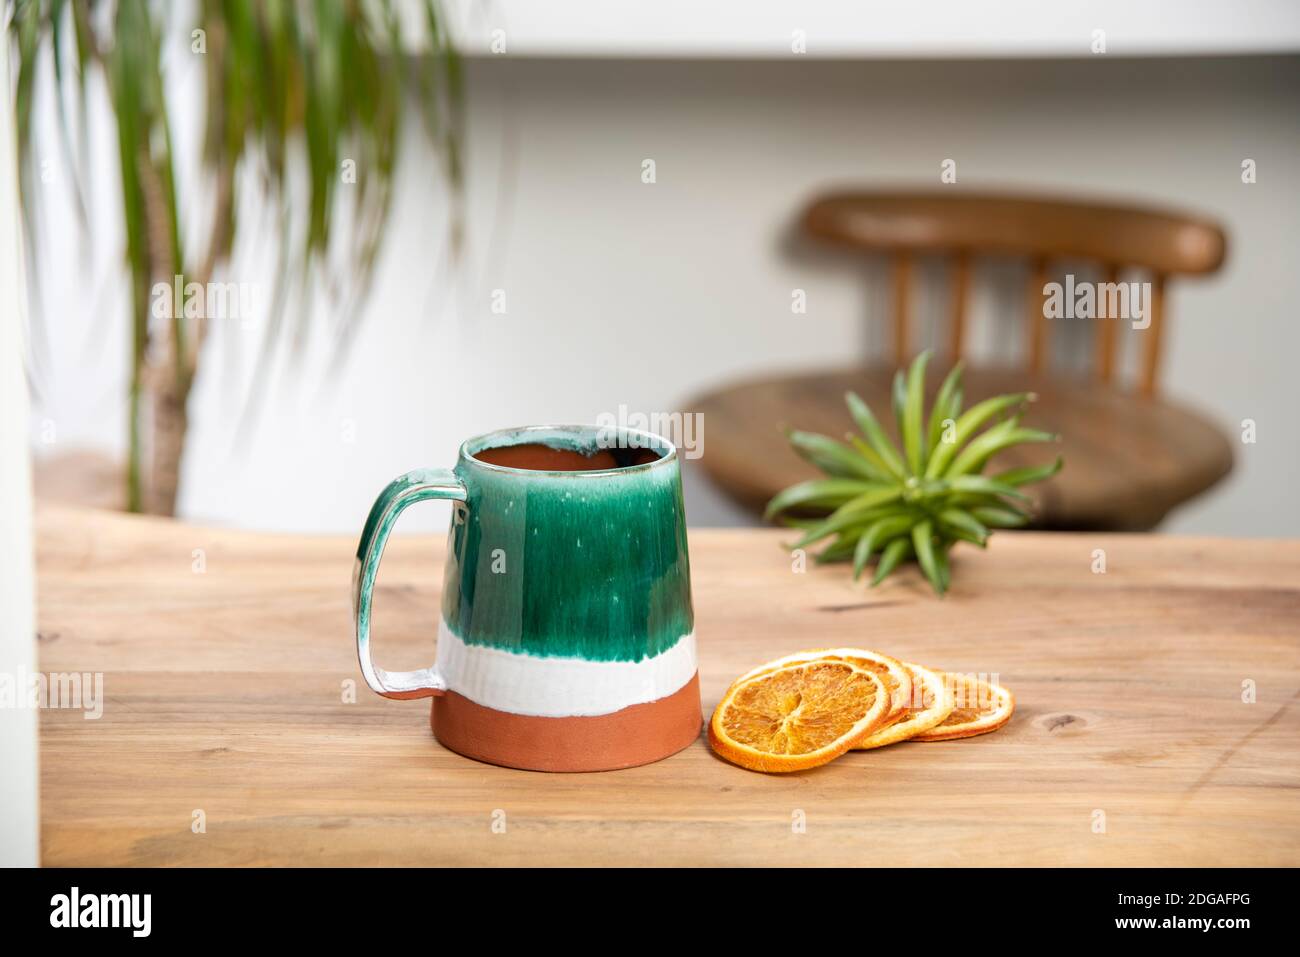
x: 485, y: 441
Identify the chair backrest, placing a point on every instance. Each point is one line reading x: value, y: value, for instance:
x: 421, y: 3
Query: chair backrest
x: 964, y: 226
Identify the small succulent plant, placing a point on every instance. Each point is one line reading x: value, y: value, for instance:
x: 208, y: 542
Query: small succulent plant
x: 917, y: 503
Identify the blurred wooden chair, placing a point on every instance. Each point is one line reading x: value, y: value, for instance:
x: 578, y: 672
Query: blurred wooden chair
x: 1130, y: 456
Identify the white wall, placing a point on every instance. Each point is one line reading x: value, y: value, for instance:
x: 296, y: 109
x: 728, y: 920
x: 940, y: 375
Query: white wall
x: 620, y: 292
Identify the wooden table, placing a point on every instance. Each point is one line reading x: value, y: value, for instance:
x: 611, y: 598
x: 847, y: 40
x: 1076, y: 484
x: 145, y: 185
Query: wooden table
x: 226, y: 694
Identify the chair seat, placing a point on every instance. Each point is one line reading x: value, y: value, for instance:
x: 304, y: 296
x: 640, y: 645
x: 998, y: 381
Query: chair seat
x: 1128, y: 459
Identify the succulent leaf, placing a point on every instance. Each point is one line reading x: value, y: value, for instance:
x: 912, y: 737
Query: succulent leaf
x: 923, y: 542
x: 967, y: 425
x: 900, y: 399
x: 1000, y: 517
x: 877, y: 533
x: 834, y: 458
x: 894, y: 553
x: 864, y: 509
x: 957, y: 520
x: 1034, y: 473
x: 875, y: 435
x: 943, y: 405
x: 976, y: 455
x: 821, y: 493
x: 990, y: 486
x: 913, y: 440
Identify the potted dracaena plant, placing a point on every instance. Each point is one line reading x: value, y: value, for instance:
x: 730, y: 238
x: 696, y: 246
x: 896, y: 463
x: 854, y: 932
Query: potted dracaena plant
x: 297, y: 95
x: 917, y: 502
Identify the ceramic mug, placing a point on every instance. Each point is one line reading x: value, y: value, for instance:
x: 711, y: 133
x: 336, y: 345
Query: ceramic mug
x: 566, y: 640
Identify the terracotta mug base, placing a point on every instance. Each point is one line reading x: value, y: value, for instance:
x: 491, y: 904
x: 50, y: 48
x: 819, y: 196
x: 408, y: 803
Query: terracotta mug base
x: 640, y: 734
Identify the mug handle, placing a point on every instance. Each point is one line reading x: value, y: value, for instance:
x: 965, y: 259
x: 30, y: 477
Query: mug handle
x: 416, y: 486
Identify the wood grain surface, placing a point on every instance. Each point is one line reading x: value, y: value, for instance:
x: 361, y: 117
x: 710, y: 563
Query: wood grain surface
x: 225, y: 693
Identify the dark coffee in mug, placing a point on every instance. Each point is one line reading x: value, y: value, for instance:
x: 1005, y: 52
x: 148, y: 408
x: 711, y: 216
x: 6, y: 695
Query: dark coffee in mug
x: 539, y: 457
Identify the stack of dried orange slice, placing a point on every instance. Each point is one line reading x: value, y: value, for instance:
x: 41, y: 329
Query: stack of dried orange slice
x: 808, y: 708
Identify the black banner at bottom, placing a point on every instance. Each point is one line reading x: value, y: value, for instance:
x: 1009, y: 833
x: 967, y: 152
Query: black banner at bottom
x: 335, y: 906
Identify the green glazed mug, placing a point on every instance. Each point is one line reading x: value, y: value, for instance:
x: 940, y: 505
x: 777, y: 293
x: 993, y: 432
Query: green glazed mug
x: 566, y: 640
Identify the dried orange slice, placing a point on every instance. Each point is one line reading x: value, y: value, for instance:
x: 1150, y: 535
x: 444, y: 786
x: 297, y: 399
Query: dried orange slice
x: 980, y: 707
x: 798, y: 716
x: 932, y: 702
x: 897, y: 680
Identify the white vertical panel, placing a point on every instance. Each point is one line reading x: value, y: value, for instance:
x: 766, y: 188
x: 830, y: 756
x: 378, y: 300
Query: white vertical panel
x: 19, y: 810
